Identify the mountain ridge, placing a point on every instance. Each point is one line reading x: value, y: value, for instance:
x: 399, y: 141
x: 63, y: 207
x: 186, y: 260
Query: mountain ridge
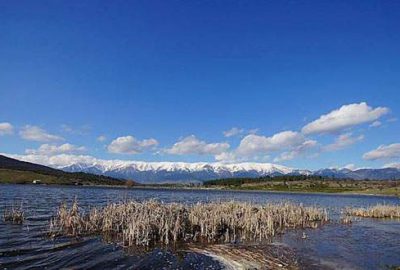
x: 181, y: 172
x: 154, y: 172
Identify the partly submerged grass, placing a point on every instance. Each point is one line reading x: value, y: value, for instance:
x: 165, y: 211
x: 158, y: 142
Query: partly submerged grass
x: 14, y: 215
x: 239, y: 256
x: 377, y: 211
x: 151, y: 222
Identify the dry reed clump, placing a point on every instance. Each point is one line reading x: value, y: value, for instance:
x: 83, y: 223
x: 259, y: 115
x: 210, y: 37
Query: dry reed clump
x: 377, y: 211
x: 346, y: 220
x: 150, y: 222
x: 14, y: 215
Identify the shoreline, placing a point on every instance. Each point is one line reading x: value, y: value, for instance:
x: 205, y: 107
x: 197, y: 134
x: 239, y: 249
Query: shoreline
x: 237, y: 255
x: 161, y: 187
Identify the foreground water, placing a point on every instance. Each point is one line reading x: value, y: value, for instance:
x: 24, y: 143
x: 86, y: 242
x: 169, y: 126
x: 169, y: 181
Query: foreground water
x: 365, y: 244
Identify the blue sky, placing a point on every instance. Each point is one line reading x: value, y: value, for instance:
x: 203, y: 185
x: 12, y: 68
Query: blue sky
x: 162, y: 80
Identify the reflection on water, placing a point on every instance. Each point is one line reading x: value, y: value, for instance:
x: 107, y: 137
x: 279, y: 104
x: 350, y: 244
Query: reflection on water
x: 366, y: 244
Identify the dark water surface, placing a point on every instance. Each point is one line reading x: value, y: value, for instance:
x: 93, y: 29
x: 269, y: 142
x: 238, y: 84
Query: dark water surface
x: 366, y: 244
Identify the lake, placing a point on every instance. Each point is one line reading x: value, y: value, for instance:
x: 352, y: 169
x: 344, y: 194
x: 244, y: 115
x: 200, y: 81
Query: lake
x: 365, y: 244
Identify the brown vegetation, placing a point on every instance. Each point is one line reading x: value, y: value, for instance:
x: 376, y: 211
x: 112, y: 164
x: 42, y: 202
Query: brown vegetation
x: 129, y: 183
x: 14, y: 215
x: 270, y: 256
x: 377, y: 211
x: 151, y: 222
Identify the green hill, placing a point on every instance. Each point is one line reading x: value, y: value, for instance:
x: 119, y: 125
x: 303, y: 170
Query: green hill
x: 20, y: 172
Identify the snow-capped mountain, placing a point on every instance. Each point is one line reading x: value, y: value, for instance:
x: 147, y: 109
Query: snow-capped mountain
x: 156, y: 172
x: 159, y: 172
x: 360, y: 174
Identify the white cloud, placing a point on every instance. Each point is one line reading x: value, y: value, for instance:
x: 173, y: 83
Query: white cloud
x: 255, y: 144
x: 130, y: 145
x: 50, y: 150
x: 392, y: 165
x: 384, y: 152
x: 253, y: 131
x: 227, y: 157
x: 56, y: 161
x: 192, y: 145
x: 6, y: 129
x: 375, y: 124
x: 257, y: 147
x: 82, y: 130
x: 233, y: 132
x: 285, y: 156
x: 297, y: 151
x: 343, y: 141
x: 345, y: 117
x: 34, y: 133
x: 350, y: 166
x: 102, y: 138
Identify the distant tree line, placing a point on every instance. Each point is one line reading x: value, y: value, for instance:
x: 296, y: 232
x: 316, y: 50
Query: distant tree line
x: 248, y: 180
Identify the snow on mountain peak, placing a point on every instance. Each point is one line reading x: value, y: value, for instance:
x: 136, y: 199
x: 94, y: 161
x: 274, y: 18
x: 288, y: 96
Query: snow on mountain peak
x: 156, y: 172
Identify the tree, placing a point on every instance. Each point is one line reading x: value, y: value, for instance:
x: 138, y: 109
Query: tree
x: 129, y: 183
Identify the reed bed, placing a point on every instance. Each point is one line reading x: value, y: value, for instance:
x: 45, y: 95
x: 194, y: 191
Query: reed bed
x: 151, y: 222
x: 14, y: 215
x: 250, y: 256
x: 377, y: 211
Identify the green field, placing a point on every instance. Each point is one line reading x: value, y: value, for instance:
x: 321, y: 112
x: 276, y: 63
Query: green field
x: 308, y: 184
x: 13, y: 171
x: 26, y: 177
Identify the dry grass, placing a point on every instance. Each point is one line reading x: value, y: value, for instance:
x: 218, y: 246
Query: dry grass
x: 377, y: 211
x: 151, y: 222
x: 250, y: 256
x: 14, y: 215
x: 346, y: 219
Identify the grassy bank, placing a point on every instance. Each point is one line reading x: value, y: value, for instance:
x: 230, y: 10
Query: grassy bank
x: 8, y: 176
x: 304, y: 184
x: 13, y: 171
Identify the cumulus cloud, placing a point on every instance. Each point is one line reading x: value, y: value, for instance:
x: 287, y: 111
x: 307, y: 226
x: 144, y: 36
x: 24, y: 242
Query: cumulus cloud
x: 384, y: 152
x: 227, y: 157
x: 297, y: 151
x: 350, y: 166
x: 6, y: 129
x: 192, y: 145
x: 56, y: 161
x: 50, y: 150
x: 130, y: 145
x: 102, y: 138
x: 257, y: 147
x: 392, y: 165
x: 253, y: 131
x: 34, y: 133
x: 82, y: 130
x: 233, y: 132
x: 343, y: 141
x: 375, y: 124
x: 346, y: 116
x: 255, y: 144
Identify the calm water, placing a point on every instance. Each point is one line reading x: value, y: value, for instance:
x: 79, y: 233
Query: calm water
x: 366, y: 244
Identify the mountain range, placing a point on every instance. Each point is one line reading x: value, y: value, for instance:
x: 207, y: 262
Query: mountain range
x: 161, y: 172
x: 181, y: 172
